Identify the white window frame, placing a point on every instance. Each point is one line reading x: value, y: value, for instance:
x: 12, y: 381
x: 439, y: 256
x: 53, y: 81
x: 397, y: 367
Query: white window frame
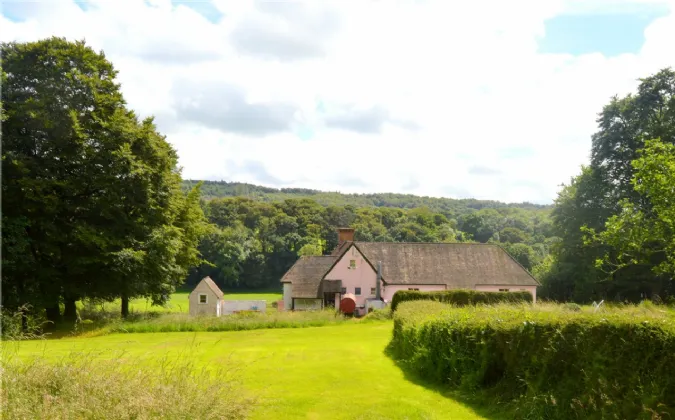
x: 373, y: 291
x: 199, y: 298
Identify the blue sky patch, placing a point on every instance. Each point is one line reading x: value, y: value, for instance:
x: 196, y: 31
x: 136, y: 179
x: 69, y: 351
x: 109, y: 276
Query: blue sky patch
x: 609, y: 34
x: 203, y: 7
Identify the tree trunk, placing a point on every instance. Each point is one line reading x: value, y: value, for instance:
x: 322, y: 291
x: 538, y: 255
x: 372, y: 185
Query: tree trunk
x: 53, y: 314
x: 69, y: 310
x: 24, y: 320
x: 125, y: 306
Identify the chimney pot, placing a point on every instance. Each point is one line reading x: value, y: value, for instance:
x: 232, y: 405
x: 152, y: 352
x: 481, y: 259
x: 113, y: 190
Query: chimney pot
x: 345, y: 234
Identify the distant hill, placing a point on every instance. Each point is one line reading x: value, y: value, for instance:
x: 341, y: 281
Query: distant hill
x: 448, y: 206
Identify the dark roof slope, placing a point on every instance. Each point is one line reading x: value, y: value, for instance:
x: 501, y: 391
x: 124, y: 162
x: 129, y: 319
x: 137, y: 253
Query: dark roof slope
x: 458, y: 265
x: 306, y: 275
x: 213, y: 286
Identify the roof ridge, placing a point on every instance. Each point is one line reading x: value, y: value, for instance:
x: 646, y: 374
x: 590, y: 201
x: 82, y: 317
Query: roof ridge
x: 426, y: 243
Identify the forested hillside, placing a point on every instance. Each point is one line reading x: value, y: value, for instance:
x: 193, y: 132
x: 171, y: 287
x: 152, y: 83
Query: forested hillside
x: 447, y: 206
x: 252, y: 242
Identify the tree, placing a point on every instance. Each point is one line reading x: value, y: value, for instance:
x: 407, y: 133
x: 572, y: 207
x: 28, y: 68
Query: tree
x: 645, y: 237
x: 90, y: 191
x: 601, y: 191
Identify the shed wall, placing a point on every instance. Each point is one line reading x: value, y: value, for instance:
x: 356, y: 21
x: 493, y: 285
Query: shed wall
x: 211, y: 305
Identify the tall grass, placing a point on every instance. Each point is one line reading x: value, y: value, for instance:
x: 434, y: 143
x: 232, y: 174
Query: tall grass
x: 234, y: 322
x: 83, y: 386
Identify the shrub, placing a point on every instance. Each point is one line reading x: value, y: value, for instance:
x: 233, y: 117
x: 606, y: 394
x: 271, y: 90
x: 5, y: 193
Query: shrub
x: 572, y: 307
x: 378, y: 314
x: 81, y: 386
x: 460, y: 297
x: 545, y: 361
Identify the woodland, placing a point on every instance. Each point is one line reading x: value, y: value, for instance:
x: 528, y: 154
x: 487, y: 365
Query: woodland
x: 94, y: 207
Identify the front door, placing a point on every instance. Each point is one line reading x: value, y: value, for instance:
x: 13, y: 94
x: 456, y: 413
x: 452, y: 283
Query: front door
x: 329, y: 300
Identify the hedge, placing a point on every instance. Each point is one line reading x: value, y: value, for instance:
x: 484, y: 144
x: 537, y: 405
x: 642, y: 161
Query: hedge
x: 460, y: 297
x: 545, y: 362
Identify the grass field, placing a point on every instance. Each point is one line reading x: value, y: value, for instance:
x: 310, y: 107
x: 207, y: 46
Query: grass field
x: 179, y: 302
x: 331, y: 372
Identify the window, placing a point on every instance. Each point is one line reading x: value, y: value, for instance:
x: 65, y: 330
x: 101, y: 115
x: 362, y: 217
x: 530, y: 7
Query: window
x: 202, y: 298
x: 343, y: 290
x: 352, y: 263
x: 503, y: 290
x: 372, y: 290
x: 416, y: 288
x: 357, y: 291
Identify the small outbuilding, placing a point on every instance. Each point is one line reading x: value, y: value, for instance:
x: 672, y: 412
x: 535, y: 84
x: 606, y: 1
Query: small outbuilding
x: 206, y: 298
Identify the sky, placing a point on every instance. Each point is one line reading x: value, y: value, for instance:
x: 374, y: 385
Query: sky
x: 485, y: 99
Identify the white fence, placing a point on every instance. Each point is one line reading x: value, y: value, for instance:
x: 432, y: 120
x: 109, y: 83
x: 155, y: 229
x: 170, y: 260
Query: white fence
x: 232, y: 306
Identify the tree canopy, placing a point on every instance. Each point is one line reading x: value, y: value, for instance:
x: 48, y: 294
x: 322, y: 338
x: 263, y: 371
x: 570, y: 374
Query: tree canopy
x: 92, y: 202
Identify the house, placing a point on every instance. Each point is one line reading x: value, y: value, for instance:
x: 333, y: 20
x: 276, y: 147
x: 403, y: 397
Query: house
x: 206, y: 298
x: 315, y: 282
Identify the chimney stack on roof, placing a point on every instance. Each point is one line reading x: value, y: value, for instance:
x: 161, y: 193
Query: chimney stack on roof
x: 345, y: 235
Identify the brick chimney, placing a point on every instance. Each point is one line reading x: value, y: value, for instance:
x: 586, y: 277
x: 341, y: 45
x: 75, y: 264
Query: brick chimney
x: 345, y: 234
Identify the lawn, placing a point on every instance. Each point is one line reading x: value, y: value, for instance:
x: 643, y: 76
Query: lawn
x: 331, y: 372
x: 179, y: 302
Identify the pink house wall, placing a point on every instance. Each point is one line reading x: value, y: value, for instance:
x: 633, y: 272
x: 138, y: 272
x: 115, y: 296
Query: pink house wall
x: 362, y: 276
x: 531, y: 289
x: 365, y: 277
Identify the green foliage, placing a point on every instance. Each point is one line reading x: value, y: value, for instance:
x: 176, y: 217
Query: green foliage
x: 460, y: 297
x: 92, y: 198
x: 604, y: 193
x: 545, y: 362
x: 80, y: 386
x: 645, y: 237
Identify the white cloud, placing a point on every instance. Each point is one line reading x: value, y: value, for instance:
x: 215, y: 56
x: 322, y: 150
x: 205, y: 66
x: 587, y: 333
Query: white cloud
x: 438, y: 90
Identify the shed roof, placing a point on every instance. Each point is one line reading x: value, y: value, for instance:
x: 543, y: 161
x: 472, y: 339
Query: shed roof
x: 306, y: 275
x: 213, y: 286
x: 457, y: 265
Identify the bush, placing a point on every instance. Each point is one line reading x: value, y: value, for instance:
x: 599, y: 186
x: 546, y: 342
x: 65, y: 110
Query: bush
x: 378, y: 314
x: 545, y: 361
x: 80, y: 386
x: 572, y: 307
x: 460, y: 297
x: 21, y: 324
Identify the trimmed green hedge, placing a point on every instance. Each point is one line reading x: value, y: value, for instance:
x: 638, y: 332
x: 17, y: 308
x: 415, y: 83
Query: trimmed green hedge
x: 544, y: 362
x: 460, y: 297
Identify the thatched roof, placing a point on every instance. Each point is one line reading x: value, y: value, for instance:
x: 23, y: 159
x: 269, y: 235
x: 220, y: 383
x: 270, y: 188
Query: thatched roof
x: 306, y: 275
x: 213, y: 286
x: 457, y: 265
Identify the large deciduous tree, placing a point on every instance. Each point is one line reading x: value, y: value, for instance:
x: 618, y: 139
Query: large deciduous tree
x: 602, y: 191
x: 91, y: 195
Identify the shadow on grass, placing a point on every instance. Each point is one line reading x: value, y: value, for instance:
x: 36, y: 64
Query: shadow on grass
x: 479, y: 406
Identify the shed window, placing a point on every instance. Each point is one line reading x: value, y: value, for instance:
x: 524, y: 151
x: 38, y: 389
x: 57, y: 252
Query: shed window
x: 202, y: 298
x: 357, y: 291
x: 372, y: 290
x: 503, y: 290
x: 352, y: 263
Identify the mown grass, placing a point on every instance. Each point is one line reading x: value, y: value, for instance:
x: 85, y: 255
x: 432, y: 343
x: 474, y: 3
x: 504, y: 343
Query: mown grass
x: 85, y: 386
x: 332, y: 372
